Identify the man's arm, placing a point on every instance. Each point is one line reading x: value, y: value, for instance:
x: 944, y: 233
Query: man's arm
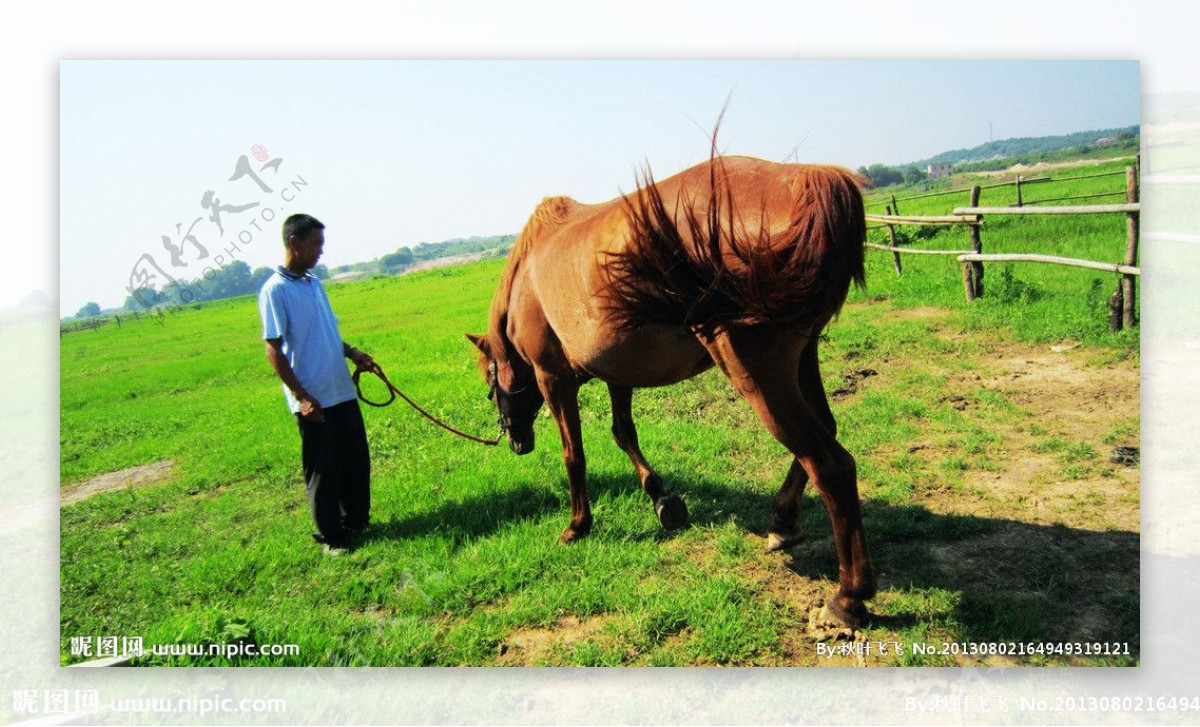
x: 361, y: 359
x: 310, y: 409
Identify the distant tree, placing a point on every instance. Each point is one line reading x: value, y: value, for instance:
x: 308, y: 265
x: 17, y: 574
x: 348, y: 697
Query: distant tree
x: 321, y: 271
x: 142, y: 299
x: 914, y: 174
x: 396, y: 261
x: 882, y: 175
x: 90, y: 310
x: 36, y: 299
x: 259, y: 276
x: 241, y: 278
x: 228, y: 281
x: 182, y: 292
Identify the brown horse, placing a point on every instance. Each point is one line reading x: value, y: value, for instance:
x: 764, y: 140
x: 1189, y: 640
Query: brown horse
x: 738, y: 262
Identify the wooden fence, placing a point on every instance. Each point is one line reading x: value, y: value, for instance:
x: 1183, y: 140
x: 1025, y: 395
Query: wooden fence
x: 92, y: 324
x: 1121, y: 303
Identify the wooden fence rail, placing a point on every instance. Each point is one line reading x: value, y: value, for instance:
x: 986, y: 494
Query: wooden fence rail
x: 1121, y: 303
x: 1181, y: 237
x: 912, y: 251
x: 1078, y: 196
x: 924, y: 220
x: 1052, y: 259
x: 1090, y: 176
x: 1018, y: 182
x: 1077, y: 209
x: 94, y: 323
x: 961, y: 190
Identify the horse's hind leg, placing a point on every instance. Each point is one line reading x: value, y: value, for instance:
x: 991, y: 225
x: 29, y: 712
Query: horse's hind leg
x: 671, y: 510
x: 784, y: 529
x: 762, y: 363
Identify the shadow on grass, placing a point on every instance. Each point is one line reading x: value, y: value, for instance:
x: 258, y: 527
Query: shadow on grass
x: 983, y: 579
x: 987, y: 579
x: 476, y: 518
x: 471, y: 518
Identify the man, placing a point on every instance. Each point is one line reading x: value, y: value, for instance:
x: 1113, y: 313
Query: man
x: 309, y: 356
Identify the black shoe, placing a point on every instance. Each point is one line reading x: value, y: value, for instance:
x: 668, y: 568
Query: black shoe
x: 338, y: 542
x: 335, y: 551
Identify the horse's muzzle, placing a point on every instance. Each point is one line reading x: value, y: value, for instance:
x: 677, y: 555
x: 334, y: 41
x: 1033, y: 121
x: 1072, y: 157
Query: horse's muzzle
x: 520, y: 442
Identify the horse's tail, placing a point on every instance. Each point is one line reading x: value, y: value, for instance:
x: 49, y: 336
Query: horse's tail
x: 702, y: 266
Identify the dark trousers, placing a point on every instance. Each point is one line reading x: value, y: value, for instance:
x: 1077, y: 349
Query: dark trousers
x: 337, y: 471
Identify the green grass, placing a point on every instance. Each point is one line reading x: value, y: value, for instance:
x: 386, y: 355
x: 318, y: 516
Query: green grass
x: 462, y: 566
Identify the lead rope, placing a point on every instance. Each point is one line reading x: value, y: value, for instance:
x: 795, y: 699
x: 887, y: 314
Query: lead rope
x: 375, y: 369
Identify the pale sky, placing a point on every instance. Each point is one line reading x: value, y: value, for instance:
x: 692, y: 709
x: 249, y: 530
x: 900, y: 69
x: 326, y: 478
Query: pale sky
x: 391, y: 153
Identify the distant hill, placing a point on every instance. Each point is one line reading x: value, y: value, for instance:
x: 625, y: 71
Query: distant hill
x: 1005, y: 153
x: 1024, y: 146
x: 405, y: 257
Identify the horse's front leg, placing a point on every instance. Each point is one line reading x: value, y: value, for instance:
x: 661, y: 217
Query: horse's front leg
x: 562, y: 397
x: 670, y: 509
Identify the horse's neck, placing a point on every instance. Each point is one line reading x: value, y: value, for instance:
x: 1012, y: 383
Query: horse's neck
x: 499, y: 320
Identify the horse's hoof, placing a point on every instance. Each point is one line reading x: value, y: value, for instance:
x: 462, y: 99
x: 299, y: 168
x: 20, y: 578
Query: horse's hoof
x: 571, y: 534
x: 852, y: 612
x: 779, y: 541
x: 671, y: 512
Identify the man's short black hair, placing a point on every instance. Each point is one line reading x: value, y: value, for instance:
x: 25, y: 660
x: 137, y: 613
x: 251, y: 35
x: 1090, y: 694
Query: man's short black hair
x: 300, y: 225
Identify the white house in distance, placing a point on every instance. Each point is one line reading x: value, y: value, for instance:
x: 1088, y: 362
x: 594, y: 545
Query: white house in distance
x: 939, y: 171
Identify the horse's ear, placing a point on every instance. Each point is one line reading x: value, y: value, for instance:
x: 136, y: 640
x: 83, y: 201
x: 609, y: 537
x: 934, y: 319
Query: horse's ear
x: 480, y: 342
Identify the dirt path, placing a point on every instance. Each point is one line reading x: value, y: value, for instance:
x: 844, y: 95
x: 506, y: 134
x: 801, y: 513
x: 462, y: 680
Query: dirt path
x: 142, y: 476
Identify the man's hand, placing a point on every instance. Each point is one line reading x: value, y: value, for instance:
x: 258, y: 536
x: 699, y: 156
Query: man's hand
x: 361, y: 359
x: 311, y: 411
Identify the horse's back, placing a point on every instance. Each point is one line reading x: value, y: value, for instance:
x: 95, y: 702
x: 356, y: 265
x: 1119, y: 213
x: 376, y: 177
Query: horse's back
x: 568, y: 250
x: 739, y: 241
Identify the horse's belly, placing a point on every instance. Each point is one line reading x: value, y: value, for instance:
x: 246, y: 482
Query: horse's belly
x: 653, y: 356
x: 570, y: 297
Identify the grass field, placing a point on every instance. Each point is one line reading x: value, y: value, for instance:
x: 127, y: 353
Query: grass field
x: 992, y: 510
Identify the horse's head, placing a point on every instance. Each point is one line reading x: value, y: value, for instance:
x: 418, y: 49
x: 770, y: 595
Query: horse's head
x: 515, y: 392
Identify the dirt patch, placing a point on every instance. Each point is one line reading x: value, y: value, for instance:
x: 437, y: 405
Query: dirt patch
x: 141, y: 476
x: 443, y: 262
x: 1044, y: 166
x: 921, y: 313
x: 851, y: 382
x: 1057, y: 466
x: 531, y: 646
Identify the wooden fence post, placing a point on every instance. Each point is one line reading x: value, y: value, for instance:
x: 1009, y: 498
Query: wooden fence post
x: 1020, y: 203
x: 892, y: 238
x: 973, y: 271
x: 1128, y: 286
x: 1115, y: 310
